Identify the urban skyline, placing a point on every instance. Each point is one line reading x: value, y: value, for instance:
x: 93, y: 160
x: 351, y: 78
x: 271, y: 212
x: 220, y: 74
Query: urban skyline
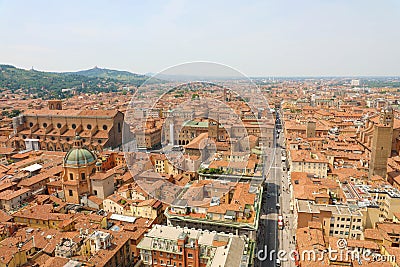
x: 199, y: 134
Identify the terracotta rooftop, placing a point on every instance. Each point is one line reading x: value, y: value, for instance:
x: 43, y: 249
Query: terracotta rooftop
x: 10, y: 194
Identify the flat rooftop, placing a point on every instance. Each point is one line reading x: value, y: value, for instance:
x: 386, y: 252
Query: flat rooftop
x: 310, y: 207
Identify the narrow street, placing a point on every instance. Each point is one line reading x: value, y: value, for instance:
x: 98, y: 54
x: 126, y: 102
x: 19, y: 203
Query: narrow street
x: 276, y: 191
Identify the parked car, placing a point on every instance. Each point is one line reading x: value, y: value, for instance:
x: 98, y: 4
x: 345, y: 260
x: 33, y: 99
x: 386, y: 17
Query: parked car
x: 280, y: 222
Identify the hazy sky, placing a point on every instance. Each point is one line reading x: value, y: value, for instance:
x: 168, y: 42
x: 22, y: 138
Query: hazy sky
x: 277, y: 38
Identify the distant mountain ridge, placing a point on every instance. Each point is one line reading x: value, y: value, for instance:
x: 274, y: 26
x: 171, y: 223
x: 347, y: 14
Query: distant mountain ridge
x: 109, y: 73
x: 53, y: 84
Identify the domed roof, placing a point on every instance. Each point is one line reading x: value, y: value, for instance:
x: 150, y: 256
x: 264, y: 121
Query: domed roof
x: 79, y: 156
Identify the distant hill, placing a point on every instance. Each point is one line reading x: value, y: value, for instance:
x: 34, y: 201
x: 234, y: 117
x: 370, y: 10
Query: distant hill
x: 112, y: 74
x: 51, y: 84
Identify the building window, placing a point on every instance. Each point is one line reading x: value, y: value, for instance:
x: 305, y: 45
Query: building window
x: 73, y: 126
x: 44, y: 125
x: 31, y: 124
x: 105, y: 127
x: 70, y: 193
x: 58, y: 125
x: 89, y: 126
x: 190, y: 255
x: 95, y: 192
x: 71, y: 176
x: 119, y: 127
x: 82, y: 176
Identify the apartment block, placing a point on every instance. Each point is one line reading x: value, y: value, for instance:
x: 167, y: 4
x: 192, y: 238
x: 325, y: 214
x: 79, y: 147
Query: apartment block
x: 218, y: 206
x: 183, y: 247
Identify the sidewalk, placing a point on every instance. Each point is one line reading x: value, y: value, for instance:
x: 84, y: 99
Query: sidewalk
x: 286, y: 235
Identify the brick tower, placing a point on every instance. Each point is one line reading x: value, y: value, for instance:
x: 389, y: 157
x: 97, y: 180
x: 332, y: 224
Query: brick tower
x: 381, y: 143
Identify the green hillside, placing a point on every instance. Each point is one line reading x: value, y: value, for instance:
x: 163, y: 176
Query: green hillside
x: 51, y: 84
x: 112, y: 74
